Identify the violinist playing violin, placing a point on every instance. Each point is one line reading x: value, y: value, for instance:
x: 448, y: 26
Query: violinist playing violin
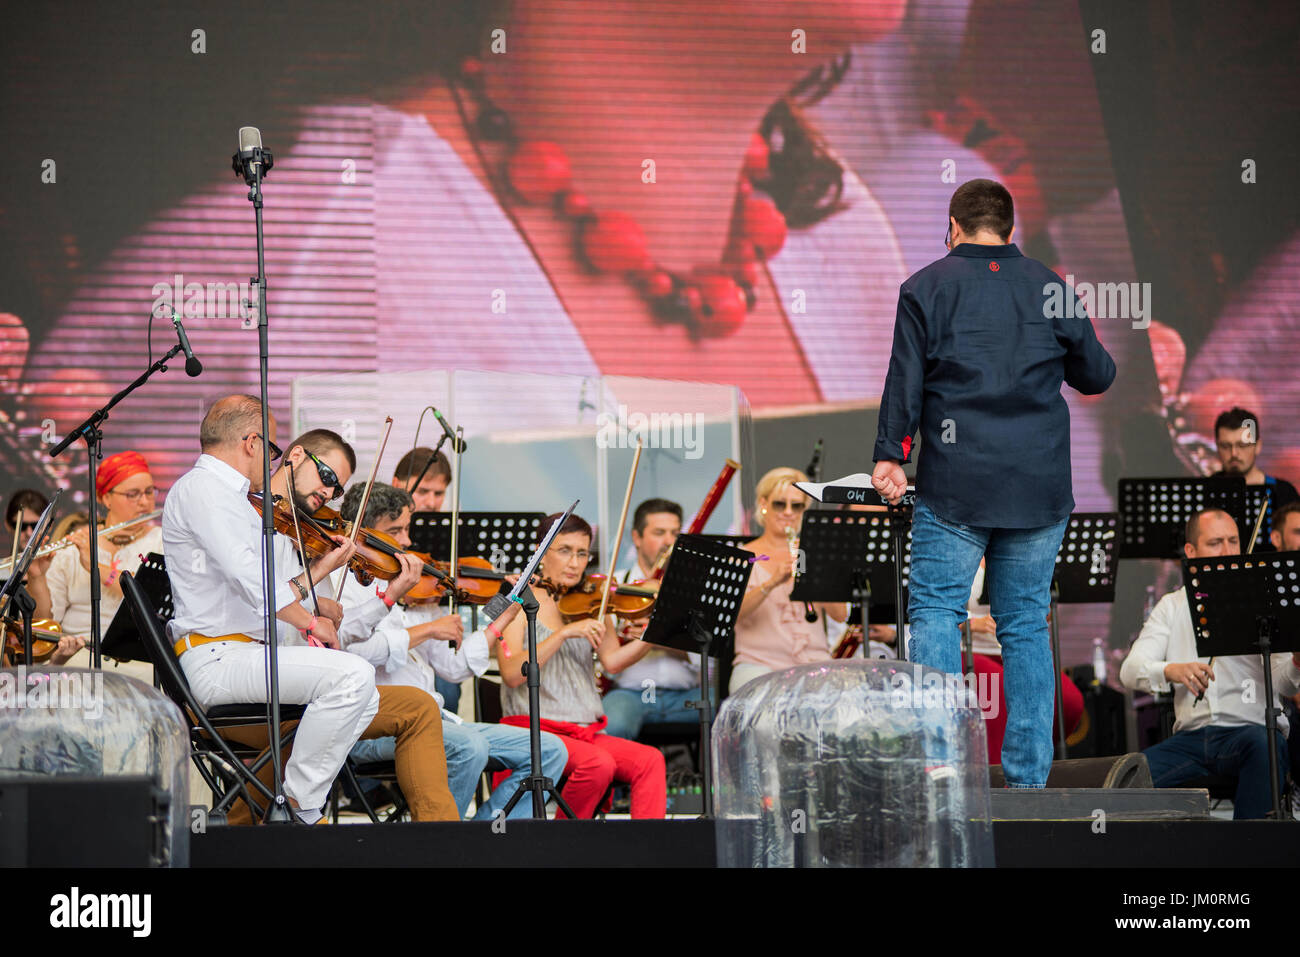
x: 672, y: 676
x: 214, y: 533
x: 425, y: 476
x: 413, y: 643
x: 570, y: 702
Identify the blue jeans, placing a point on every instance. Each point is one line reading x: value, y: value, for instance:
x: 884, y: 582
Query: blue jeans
x: 1019, y: 567
x: 468, y: 748
x: 627, y: 712
x: 1240, y: 752
x: 450, y: 691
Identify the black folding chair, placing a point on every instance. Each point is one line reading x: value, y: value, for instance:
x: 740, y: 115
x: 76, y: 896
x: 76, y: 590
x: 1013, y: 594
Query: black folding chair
x: 228, y: 767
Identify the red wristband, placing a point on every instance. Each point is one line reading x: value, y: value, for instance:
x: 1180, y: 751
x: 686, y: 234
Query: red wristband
x: 383, y: 596
x: 310, y: 625
x: 491, y: 629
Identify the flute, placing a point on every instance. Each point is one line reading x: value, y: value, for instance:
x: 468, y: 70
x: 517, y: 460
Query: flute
x: 68, y: 543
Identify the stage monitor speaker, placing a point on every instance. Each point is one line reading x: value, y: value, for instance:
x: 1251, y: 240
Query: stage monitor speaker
x: 1124, y: 771
x: 83, y: 822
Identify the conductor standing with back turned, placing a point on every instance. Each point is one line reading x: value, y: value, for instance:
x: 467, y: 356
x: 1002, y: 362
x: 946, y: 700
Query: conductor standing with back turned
x: 978, y: 359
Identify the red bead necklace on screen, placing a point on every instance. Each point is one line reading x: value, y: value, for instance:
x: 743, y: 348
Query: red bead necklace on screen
x: 713, y: 300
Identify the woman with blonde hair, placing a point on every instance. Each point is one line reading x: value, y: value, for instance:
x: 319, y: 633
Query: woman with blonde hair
x: 772, y: 631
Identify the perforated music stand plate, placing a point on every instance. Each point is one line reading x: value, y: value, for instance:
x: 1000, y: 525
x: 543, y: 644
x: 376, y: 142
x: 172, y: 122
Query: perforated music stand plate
x: 122, y: 639
x: 1154, y: 511
x: 1227, y: 593
x: 704, y: 575
x: 1087, y: 562
x: 840, y: 548
x: 506, y: 539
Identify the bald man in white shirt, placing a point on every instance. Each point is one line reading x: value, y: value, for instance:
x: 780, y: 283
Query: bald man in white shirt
x: 1225, y: 733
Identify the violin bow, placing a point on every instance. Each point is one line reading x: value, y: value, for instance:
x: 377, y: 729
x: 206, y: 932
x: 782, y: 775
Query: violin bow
x: 360, y: 520
x: 302, y: 551
x: 618, y: 540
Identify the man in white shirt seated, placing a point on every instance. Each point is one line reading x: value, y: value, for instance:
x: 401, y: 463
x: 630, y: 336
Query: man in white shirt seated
x: 213, y: 540
x: 414, y: 644
x: 655, y: 689
x: 1225, y: 733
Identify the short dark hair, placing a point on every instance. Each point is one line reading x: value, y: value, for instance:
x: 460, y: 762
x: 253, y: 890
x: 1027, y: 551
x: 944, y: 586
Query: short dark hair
x: 1236, y: 418
x: 572, y: 524
x: 385, y: 502
x: 653, y: 506
x: 414, y: 461
x: 1278, y: 522
x: 983, y: 204
x: 1194, y: 523
x: 318, y: 441
x: 22, y: 500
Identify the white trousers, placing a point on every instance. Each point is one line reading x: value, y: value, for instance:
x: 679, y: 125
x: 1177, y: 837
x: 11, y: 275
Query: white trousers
x: 337, y: 688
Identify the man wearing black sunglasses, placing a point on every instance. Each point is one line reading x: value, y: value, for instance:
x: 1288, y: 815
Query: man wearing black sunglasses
x: 322, y: 464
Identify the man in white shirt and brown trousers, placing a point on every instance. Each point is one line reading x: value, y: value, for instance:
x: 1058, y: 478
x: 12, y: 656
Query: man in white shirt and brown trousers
x: 1225, y: 733
x: 213, y: 539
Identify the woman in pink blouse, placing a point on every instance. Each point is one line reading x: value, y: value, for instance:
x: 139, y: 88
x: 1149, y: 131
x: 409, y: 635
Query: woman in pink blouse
x: 772, y: 632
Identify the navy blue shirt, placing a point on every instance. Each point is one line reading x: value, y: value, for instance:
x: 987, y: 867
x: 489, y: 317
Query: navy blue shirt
x: 982, y: 342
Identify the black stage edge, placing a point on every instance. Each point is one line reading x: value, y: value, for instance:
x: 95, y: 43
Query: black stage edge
x: 1122, y: 844
x: 522, y: 843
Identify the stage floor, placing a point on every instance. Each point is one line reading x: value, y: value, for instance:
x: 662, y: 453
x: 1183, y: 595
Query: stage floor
x: 691, y: 843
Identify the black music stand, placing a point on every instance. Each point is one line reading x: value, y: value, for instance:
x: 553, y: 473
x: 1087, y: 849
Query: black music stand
x: 857, y: 489
x: 510, y: 536
x: 699, y: 599
x: 122, y: 640
x: 1085, y: 574
x: 1154, y: 511
x: 1244, y: 605
x: 849, y: 556
x: 536, y: 783
x: 506, y: 539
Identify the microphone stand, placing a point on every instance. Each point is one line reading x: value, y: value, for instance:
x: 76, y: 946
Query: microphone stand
x: 278, y: 812
x: 90, y: 431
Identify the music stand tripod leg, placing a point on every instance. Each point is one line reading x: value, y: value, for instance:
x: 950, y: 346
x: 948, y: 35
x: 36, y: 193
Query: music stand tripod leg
x: 1265, y: 624
x: 705, y: 706
x: 536, y: 783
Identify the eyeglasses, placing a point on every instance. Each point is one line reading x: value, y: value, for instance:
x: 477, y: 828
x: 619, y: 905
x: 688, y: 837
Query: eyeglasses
x: 27, y: 526
x: 947, y: 237
x: 275, y: 449
x: 568, y: 554
x: 327, y: 476
x: 795, y: 507
x: 134, y: 495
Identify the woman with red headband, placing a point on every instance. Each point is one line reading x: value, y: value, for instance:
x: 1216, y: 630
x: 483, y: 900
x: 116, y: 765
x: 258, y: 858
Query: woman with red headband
x: 125, y: 490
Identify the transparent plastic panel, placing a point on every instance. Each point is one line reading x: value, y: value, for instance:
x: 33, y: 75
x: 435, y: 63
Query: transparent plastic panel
x: 536, y: 442
x: 85, y: 723
x: 852, y: 764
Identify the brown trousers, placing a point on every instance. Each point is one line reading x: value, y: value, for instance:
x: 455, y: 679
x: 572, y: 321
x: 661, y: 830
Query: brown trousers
x: 407, y: 714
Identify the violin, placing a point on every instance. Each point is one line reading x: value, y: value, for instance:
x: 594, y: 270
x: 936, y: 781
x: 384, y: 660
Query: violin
x: 376, y: 555
x: 625, y: 601
x: 45, y: 639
